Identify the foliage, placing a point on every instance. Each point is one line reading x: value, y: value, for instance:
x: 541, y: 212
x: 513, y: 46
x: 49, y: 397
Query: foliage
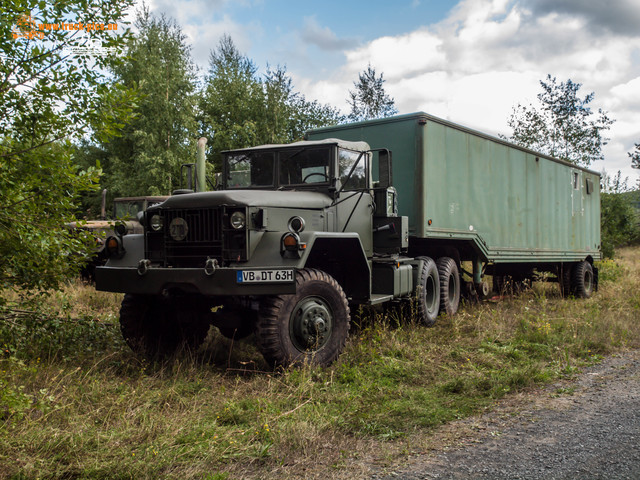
x: 369, y: 99
x: 635, y: 156
x: 231, y: 99
x: 48, y: 97
x: 620, y: 222
x: 146, y: 157
x: 239, y: 108
x: 562, y: 125
x: 219, y: 414
x: 615, y: 184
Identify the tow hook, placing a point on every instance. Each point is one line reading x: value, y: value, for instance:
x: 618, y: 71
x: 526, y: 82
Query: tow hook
x: 143, y: 266
x: 211, y: 266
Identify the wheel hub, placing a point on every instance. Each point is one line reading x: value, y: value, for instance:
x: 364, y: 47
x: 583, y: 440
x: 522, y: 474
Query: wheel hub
x: 310, y: 324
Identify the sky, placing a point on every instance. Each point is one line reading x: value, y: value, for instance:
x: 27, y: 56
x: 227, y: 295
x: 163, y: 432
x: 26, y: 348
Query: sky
x: 467, y: 61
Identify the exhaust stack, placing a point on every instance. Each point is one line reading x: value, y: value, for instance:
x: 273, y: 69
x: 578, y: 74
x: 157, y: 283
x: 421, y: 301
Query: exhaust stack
x: 201, y: 180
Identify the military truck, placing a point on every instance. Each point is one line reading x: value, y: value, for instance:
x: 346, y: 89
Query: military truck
x: 372, y: 213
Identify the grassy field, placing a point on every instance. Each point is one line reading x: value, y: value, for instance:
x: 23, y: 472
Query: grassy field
x: 75, y: 403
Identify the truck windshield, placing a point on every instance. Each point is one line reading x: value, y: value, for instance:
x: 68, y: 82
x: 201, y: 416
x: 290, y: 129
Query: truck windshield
x: 128, y: 208
x: 252, y: 169
x: 304, y: 166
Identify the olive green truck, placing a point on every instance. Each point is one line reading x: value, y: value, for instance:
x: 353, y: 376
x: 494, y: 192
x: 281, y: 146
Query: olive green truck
x: 403, y: 209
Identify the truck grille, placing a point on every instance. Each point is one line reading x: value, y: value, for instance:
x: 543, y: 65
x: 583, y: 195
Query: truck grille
x: 188, y: 238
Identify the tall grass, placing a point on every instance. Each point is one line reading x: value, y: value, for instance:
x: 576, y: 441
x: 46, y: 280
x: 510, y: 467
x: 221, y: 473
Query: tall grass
x: 75, y: 403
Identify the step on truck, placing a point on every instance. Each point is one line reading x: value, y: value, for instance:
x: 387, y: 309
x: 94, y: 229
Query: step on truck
x: 372, y: 213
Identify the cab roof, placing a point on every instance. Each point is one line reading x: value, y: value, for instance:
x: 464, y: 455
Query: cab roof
x: 356, y: 146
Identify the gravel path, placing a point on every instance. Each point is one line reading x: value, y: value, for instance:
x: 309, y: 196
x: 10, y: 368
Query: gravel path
x: 587, y: 428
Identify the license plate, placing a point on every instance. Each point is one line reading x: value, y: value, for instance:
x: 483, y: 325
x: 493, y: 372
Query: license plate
x: 265, y: 276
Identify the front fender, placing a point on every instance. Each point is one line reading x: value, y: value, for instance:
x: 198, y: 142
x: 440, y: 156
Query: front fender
x: 342, y: 256
x: 133, y: 252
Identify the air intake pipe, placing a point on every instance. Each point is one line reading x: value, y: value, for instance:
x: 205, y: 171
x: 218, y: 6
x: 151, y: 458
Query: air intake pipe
x: 201, y: 179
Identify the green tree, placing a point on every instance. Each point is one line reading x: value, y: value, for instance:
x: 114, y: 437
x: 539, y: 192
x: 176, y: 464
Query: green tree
x: 620, y: 225
x: 562, y: 125
x: 619, y: 218
x: 231, y: 100
x: 50, y: 94
x: 369, y: 99
x: 288, y: 115
x: 145, y: 159
x: 615, y: 184
x: 239, y: 108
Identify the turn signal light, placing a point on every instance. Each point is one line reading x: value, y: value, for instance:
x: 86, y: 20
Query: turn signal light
x: 290, y: 242
x: 114, y: 247
x: 290, y: 245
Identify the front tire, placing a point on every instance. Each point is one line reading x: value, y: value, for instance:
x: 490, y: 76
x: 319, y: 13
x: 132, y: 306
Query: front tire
x: 155, y: 327
x: 309, y: 326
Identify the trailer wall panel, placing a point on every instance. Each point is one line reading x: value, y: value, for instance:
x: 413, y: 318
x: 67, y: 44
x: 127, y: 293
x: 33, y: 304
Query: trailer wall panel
x: 456, y: 183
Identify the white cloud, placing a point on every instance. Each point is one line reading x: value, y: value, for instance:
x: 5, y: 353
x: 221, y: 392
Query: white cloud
x: 489, y: 55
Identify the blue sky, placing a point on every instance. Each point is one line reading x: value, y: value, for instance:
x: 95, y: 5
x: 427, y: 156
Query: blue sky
x: 469, y: 61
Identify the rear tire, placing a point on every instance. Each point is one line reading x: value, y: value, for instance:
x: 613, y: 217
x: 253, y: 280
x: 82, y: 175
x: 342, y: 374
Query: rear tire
x: 309, y: 326
x: 428, y: 292
x: 582, y: 280
x: 156, y: 327
x: 449, y: 285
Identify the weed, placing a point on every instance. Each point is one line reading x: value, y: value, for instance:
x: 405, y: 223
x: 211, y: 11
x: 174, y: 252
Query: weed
x: 74, y: 402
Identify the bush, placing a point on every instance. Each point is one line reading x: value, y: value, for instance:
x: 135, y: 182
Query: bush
x: 620, y: 222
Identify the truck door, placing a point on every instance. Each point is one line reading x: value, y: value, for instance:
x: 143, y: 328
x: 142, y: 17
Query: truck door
x: 354, y: 212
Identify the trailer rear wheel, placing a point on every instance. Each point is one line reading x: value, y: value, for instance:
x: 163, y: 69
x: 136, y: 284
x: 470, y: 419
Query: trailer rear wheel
x: 428, y: 292
x: 449, y: 285
x: 156, y: 327
x: 582, y: 280
x: 311, y: 325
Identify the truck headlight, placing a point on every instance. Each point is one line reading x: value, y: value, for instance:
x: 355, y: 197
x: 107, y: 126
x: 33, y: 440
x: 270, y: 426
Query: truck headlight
x: 238, y: 220
x: 156, y: 223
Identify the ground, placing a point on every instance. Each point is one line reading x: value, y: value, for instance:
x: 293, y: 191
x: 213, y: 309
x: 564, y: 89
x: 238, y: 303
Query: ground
x: 587, y: 427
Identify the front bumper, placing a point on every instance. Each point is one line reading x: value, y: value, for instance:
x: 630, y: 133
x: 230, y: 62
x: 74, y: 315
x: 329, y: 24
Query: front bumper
x: 223, y: 282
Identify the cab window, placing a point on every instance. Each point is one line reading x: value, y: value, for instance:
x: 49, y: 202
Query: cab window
x: 356, y: 179
x: 253, y: 169
x: 304, y: 166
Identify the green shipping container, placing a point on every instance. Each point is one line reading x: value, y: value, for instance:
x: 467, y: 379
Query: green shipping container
x: 512, y: 204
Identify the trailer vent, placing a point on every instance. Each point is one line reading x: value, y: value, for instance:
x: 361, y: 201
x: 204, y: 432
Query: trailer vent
x: 589, y: 186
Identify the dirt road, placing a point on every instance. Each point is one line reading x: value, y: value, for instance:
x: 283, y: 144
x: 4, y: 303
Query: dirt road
x: 586, y: 428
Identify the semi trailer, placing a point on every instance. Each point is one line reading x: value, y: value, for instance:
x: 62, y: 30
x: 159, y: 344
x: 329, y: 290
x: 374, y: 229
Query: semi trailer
x: 372, y: 213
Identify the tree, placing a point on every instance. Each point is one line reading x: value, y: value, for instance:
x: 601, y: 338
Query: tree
x: 619, y: 218
x: 635, y: 156
x: 288, y: 115
x: 49, y: 96
x: 242, y: 109
x: 369, y: 100
x: 620, y: 222
x: 563, y: 125
x: 231, y: 100
x: 615, y: 184
x: 146, y: 158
